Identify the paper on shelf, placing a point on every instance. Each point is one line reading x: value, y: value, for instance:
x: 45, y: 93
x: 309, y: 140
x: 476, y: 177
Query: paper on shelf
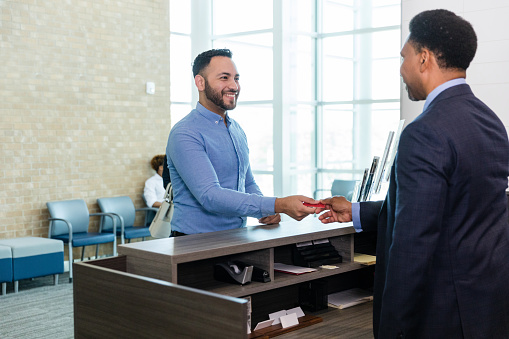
x: 276, y: 316
x: 263, y: 324
x: 289, y: 320
x: 349, y: 298
x: 292, y: 269
x: 297, y: 310
x: 364, y: 259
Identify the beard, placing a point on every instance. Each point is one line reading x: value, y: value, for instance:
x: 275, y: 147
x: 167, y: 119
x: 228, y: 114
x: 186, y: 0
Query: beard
x: 217, y: 98
x: 410, y: 95
x: 415, y: 89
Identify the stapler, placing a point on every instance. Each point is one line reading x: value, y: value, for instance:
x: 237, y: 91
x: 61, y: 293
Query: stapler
x: 233, y: 272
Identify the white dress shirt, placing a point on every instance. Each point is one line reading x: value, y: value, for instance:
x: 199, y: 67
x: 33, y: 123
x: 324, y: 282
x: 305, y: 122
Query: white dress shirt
x: 154, y: 190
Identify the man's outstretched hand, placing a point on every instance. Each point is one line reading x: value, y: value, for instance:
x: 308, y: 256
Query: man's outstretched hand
x: 339, y: 210
x: 294, y: 206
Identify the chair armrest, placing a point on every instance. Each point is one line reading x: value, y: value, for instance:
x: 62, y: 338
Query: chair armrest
x: 68, y: 223
x: 111, y: 215
x: 146, y: 209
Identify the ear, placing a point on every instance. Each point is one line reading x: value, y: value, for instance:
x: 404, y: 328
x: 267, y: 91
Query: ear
x: 425, y: 59
x: 199, y: 82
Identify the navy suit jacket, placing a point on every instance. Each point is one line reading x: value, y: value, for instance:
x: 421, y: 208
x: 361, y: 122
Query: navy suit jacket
x: 443, y: 232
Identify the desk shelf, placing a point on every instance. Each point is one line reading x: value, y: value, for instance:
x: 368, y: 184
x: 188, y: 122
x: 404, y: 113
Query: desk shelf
x: 165, y: 270
x: 280, y: 280
x: 189, y: 260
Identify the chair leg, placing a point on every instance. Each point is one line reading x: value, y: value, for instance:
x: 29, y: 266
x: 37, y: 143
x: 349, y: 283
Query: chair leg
x: 83, y: 253
x: 97, y: 251
x: 71, y: 260
x: 55, y: 279
x: 4, y: 288
x: 16, y: 286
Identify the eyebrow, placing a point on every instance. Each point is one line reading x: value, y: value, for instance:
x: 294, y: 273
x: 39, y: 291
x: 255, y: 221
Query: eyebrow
x: 226, y: 73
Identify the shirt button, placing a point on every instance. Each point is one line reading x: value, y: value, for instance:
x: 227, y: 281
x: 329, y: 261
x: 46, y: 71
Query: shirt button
x: 217, y: 122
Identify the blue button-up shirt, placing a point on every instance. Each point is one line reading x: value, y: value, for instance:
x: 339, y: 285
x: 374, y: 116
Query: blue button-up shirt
x: 213, y: 186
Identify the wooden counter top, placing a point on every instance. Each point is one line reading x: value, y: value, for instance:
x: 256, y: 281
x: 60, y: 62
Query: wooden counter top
x: 201, y: 246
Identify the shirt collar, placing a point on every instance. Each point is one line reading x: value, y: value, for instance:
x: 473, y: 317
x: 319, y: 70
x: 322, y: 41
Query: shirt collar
x: 434, y: 93
x: 211, y: 116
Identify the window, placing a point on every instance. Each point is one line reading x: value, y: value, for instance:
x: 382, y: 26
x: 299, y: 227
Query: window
x: 320, y: 82
x: 181, y: 76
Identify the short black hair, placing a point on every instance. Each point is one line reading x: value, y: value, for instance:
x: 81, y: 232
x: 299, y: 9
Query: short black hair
x: 450, y: 37
x: 203, y: 59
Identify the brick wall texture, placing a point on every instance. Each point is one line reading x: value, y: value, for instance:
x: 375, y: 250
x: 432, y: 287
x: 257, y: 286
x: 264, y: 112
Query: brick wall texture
x: 75, y: 120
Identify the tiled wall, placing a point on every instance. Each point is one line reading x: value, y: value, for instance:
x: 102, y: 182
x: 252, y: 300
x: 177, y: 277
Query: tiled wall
x: 488, y: 74
x: 75, y: 120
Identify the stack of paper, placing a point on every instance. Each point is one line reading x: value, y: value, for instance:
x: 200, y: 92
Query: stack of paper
x: 364, y: 259
x: 292, y: 269
x: 349, y: 298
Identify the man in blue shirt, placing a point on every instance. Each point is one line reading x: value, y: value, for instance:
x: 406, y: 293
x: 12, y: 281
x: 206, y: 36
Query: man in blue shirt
x: 208, y: 158
x: 443, y: 236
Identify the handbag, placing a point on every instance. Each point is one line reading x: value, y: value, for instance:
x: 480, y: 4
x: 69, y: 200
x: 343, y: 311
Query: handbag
x: 161, y: 225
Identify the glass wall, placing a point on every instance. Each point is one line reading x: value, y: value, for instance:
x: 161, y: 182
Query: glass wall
x: 181, y: 77
x: 320, y: 82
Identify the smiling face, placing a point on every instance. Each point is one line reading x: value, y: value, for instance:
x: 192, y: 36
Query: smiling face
x: 219, y: 85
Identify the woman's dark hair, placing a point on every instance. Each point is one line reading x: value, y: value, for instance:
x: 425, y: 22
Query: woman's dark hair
x: 157, y: 161
x: 450, y: 37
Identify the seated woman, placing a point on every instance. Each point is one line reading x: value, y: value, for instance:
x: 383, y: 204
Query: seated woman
x: 154, y: 189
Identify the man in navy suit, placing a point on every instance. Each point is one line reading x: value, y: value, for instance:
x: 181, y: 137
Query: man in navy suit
x: 443, y: 233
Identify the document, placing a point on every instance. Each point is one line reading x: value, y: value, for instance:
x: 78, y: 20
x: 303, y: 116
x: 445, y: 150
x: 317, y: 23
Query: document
x: 289, y: 320
x: 292, y: 269
x: 287, y: 317
x: 297, y: 310
x: 369, y: 181
x: 276, y: 316
x: 263, y: 324
x: 348, y: 298
x: 392, y: 153
x: 364, y: 259
x: 383, y: 162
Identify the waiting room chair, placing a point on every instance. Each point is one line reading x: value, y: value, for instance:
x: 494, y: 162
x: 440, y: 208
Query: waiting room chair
x: 125, y: 212
x: 149, y: 215
x: 69, y: 221
x: 340, y: 187
x: 344, y: 188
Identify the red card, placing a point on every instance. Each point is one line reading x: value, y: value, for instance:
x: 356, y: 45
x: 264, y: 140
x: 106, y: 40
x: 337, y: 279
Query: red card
x: 314, y: 205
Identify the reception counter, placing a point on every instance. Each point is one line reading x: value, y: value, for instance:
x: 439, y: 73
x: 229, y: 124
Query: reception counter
x: 187, y: 263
